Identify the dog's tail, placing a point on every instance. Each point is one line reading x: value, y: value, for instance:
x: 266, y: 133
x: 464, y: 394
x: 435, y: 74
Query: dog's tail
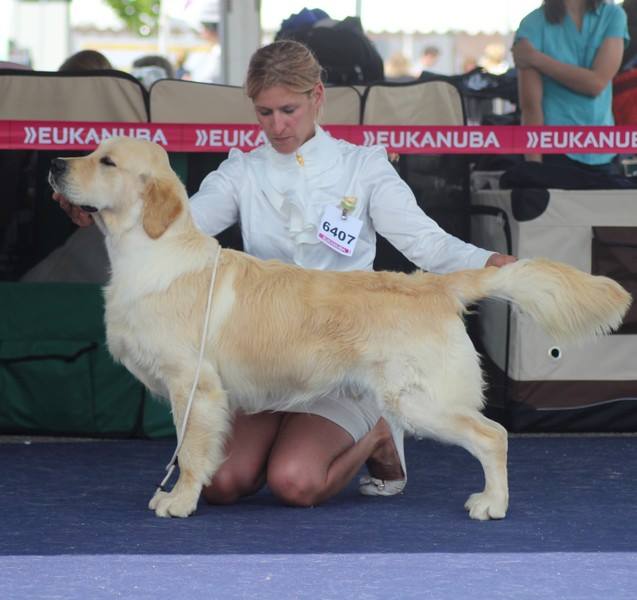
x: 566, y: 302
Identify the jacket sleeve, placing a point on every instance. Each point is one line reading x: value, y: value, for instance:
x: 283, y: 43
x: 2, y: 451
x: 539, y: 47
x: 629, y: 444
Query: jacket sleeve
x: 397, y: 217
x: 216, y: 205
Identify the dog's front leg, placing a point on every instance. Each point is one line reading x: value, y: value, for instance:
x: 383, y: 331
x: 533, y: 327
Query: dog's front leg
x: 201, y: 452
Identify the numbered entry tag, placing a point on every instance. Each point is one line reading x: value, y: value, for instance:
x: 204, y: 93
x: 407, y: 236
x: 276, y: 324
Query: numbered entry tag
x: 338, y: 233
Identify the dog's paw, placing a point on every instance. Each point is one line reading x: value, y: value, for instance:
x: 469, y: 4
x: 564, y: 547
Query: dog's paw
x: 157, y: 496
x: 483, y: 506
x: 169, y: 504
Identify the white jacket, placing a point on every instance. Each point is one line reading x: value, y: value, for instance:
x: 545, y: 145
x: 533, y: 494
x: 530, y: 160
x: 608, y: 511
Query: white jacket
x: 279, y: 200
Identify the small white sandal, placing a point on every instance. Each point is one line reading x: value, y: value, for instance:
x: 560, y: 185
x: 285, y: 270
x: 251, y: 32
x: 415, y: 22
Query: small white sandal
x: 372, y: 486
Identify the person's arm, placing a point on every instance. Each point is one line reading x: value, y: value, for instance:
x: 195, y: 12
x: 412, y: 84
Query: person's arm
x: 397, y: 217
x: 216, y: 205
x: 530, y: 90
x: 590, y: 82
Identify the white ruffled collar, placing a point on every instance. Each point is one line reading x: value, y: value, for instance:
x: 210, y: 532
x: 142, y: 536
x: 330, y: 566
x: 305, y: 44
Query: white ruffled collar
x: 290, y: 181
x: 317, y: 155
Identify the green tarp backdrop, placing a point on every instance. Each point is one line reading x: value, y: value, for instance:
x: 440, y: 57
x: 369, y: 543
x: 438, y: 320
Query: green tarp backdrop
x: 56, y: 375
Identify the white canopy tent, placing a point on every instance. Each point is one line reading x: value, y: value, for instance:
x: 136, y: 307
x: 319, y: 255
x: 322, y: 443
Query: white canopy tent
x: 409, y: 16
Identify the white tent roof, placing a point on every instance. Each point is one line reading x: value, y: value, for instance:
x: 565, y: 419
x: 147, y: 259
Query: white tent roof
x: 426, y: 16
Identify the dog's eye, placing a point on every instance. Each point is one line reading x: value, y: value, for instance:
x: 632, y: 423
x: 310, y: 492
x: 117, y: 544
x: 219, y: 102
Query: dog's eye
x: 108, y: 161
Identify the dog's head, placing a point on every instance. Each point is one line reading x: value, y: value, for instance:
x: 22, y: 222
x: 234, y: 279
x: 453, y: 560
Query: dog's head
x: 127, y: 181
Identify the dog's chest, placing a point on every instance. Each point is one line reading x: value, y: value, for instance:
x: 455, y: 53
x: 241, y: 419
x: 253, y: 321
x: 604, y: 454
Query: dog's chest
x: 132, y: 335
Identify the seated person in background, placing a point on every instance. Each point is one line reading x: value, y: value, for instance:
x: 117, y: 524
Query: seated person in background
x: 493, y: 59
x: 207, y: 66
x: 429, y: 58
x: 567, y: 53
x: 398, y: 68
x: 152, y: 67
x: 85, y: 60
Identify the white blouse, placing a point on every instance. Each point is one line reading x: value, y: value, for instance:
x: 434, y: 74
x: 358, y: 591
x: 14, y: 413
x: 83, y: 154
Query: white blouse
x: 279, y: 200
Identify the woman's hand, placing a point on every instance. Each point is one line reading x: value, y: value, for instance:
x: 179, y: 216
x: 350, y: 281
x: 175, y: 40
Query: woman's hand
x: 76, y: 214
x: 499, y: 260
x: 524, y: 54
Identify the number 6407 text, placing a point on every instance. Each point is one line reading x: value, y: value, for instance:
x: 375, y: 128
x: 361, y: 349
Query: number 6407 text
x: 338, y: 233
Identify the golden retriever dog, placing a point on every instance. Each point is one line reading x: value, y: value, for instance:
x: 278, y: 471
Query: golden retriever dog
x: 282, y: 334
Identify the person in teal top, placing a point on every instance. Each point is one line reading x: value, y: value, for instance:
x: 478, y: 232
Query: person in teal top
x: 567, y: 53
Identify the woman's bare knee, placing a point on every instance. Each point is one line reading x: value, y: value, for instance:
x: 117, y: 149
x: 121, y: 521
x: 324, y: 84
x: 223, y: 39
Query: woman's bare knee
x: 295, y: 484
x: 247, y: 449
x: 298, y: 470
x: 228, y: 486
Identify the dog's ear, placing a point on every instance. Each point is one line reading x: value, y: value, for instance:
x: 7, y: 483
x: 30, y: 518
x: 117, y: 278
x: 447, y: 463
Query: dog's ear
x: 162, y: 205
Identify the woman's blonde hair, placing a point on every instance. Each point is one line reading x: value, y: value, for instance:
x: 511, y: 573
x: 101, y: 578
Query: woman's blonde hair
x: 283, y: 63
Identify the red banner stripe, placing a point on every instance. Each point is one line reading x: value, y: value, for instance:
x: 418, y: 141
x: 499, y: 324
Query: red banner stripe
x: 402, y: 139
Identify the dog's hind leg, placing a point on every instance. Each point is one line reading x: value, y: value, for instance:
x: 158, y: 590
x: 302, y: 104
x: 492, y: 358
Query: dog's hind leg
x: 201, y: 452
x: 435, y: 389
x: 488, y: 442
x: 483, y: 438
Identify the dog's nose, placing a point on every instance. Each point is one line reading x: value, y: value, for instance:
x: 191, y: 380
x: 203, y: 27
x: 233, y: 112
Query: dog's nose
x: 58, y: 166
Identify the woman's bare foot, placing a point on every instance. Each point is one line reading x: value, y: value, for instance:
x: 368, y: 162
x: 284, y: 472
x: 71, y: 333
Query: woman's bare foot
x: 384, y: 461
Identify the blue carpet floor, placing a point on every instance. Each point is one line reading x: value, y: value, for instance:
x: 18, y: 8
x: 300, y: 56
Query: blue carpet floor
x: 74, y: 524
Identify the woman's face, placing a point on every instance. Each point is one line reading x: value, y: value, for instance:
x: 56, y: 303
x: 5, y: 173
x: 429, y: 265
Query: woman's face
x: 287, y: 117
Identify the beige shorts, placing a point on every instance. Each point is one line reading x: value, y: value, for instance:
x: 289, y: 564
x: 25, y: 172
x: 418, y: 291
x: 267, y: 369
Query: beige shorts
x: 357, y: 417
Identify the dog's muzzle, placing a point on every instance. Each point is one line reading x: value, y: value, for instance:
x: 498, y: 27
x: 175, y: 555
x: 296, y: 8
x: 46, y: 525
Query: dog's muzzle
x: 56, y: 171
x: 58, y: 167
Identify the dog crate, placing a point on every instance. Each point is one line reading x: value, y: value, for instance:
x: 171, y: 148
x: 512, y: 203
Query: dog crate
x: 537, y: 384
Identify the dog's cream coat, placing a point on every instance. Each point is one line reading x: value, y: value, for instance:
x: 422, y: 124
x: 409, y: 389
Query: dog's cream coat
x: 280, y: 335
